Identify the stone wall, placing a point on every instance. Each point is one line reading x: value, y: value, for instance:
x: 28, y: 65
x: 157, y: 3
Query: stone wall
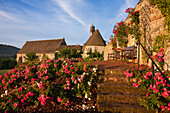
x: 86, y: 49
x: 151, y: 21
x: 107, y: 50
x: 40, y: 56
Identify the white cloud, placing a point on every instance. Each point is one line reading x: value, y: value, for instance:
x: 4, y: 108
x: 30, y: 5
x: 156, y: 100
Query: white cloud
x: 67, y: 8
x: 4, y: 14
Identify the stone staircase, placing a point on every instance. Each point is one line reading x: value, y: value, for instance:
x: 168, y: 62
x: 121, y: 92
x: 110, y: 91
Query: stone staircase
x: 116, y: 93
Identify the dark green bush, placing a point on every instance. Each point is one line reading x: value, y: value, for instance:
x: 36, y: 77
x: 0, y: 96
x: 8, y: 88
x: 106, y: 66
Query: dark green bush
x: 31, y: 56
x: 68, y: 53
x: 95, y: 55
x: 7, y: 63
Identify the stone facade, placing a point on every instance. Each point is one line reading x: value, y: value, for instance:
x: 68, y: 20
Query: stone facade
x: 99, y: 49
x: 151, y: 21
x: 21, y: 57
x: 108, y: 49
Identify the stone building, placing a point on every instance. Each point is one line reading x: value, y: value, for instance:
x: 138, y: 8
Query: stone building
x: 44, y: 48
x: 152, y: 24
x: 95, y: 42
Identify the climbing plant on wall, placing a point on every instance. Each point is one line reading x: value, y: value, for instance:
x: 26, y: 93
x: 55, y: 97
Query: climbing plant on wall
x: 161, y: 42
x: 164, y: 6
x: 120, y: 33
x: 133, y: 26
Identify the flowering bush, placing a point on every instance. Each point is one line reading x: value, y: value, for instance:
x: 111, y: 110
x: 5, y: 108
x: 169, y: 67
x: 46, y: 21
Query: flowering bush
x: 114, y: 44
x: 120, y: 33
x: 160, y: 98
x: 133, y: 26
x: 41, y: 85
x: 160, y: 58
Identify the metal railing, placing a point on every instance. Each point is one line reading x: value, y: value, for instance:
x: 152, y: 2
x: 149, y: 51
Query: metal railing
x: 153, y: 63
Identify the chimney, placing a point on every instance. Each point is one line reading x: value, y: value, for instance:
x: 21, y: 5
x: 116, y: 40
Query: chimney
x: 92, y: 29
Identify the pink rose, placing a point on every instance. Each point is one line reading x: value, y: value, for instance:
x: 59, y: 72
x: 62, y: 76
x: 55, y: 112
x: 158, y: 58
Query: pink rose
x: 22, y: 100
x: 58, y: 99
x: 160, y: 59
x: 165, y: 94
x: 75, y: 82
x: 15, y: 104
x: 160, y: 54
x: 147, y: 95
x: 135, y: 84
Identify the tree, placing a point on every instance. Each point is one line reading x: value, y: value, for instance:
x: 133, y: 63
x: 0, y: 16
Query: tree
x: 31, y: 56
x: 68, y: 53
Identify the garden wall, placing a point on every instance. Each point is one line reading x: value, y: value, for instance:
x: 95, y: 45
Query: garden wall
x: 151, y: 24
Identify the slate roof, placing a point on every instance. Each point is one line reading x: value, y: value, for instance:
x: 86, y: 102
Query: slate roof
x: 77, y: 47
x: 95, y: 40
x: 42, y: 46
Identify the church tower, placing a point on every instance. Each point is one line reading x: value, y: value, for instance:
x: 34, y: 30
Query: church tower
x: 92, y: 30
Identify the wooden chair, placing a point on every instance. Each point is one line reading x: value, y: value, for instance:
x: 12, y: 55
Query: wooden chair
x: 129, y: 53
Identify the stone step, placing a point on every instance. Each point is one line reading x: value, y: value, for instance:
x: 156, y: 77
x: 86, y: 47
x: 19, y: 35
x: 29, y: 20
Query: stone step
x: 118, y: 107
x: 121, y: 88
x: 124, y: 98
x: 114, y: 79
x: 100, y: 92
x: 119, y: 71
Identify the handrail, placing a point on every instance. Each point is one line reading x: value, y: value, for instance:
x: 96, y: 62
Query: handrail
x: 153, y: 63
x: 168, y: 66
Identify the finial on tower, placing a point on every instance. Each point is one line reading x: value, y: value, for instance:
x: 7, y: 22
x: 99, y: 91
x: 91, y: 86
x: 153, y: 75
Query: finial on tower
x: 92, y: 29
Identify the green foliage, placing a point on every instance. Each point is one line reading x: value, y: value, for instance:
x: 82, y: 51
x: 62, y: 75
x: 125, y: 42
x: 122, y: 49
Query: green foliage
x: 95, y: 55
x: 7, y: 63
x: 68, y: 53
x: 161, y: 42
x: 158, y: 95
x: 120, y: 32
x: 31, y: 56
x: 133, y: 27
x: 160, y: 98
x: 164, y: 6
x: 57, y: 55
x: 38, y: 86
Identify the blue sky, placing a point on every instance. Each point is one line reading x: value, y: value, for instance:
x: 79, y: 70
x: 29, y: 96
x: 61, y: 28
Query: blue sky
x: 26, y: 20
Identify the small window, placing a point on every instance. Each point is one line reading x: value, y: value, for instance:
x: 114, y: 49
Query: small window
x: 96, y: 48
x: 86, y: 49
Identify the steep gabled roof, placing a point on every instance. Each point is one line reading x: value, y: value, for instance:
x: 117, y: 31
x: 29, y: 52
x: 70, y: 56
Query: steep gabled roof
x: 77, y: 47
x: 42, y: 46
x: 95, y: 40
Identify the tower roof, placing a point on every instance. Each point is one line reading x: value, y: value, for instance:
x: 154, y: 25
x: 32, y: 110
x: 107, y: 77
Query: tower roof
x: 92, y: 26
x: 95, y: 40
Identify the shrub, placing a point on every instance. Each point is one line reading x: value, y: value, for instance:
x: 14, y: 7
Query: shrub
x: 46, y: 86
x: 31, y: 56
x: 7, y: 63
x: 95, y: 55
x: 160, y: 97
x: 68, y: 53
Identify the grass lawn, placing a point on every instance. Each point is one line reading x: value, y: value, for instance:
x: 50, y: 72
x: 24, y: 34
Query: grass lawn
x: 4, y: 71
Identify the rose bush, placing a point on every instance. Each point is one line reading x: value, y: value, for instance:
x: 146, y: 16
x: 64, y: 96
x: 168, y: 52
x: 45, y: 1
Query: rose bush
x: 39, y: 86
x: 120, y: 33
x: 160, y: 98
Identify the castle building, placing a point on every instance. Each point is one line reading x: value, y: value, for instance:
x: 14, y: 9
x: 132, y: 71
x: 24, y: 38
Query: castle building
x: 95, y: 42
